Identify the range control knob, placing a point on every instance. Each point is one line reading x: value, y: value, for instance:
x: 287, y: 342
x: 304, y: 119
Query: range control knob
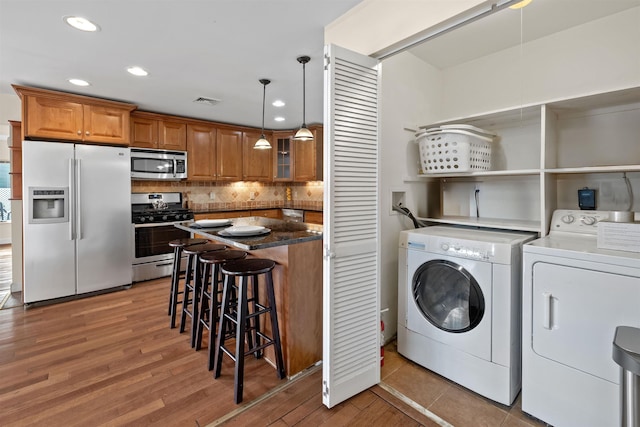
x: 165, y: 217
x: 568, y: 219
x: 150, y: 218
x: 588, y: 220
x: 142, y: 219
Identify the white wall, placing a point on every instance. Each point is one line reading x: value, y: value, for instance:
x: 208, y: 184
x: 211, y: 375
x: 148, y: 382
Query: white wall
x: 410, y: 96
x: 599, y: 56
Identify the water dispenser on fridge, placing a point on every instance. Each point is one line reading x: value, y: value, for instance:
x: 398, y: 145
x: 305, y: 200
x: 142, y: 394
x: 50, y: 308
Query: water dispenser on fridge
x: 48, y: 205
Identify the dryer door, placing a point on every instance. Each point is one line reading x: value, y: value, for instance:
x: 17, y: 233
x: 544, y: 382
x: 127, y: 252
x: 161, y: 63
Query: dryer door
x: 449, y: 300
x: 575, y: 314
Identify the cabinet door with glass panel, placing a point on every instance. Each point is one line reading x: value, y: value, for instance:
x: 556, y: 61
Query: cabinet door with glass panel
x: 283, y: 155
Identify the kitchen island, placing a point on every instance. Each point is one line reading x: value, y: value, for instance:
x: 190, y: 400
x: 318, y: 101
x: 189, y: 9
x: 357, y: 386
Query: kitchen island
x: 296, y: 247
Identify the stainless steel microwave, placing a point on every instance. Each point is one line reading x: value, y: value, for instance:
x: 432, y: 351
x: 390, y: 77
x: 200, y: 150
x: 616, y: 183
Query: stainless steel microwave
x: 158, y: 164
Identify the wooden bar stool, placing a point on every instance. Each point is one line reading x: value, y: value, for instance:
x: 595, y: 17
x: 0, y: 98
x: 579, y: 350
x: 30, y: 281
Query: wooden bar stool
x: 210, y: 292
x: 178, y: 245
x: 192, y: 284
x: 247, y: 324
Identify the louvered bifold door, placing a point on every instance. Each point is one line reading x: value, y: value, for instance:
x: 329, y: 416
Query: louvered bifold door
x: 351, y: 321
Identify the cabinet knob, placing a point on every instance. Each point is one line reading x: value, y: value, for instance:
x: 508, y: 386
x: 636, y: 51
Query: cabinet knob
x: 79, y: 132
x: 87, y: 133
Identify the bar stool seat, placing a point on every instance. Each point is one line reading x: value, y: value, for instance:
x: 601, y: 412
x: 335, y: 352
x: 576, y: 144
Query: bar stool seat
x: 178, y: 245
x: 210, y: 292
x: 247, y: 323
x: 192, y: 284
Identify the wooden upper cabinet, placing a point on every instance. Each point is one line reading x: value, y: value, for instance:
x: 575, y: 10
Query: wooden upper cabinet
x: 282, y: 153
x: 151, y: 130
x: 172, y: 135
x: 257, y: 164
x: 105, y: 124
x: 201, y: 152
x: 55, y: 115
x: 307, y: 160
x: 144, y: 131
x: 229, y: 155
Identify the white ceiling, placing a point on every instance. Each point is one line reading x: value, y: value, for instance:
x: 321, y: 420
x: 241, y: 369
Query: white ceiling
x: 191, y: 48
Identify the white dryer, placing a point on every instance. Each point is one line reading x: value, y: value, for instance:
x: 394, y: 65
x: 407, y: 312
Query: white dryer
x: 574, y: 297
x: 459, y: 306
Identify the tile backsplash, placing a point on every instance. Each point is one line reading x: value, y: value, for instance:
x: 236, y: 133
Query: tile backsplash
x: 210, y: 196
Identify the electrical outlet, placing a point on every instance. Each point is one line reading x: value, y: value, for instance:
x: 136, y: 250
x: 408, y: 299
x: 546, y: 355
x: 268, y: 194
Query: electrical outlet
x: 212, y: 195
x: 252, y: 195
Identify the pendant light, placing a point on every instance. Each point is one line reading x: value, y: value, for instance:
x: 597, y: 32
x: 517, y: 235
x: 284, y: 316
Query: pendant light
x: 262, y: 143
x: 303, y: 134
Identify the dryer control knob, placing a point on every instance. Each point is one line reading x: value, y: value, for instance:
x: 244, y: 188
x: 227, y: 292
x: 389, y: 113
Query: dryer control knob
x: 444, y: 247
x: 588, y: 220
x: 568, y: 219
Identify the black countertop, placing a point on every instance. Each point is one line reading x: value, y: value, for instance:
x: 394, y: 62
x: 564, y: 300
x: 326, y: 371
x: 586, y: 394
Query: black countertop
x: 282, y: 233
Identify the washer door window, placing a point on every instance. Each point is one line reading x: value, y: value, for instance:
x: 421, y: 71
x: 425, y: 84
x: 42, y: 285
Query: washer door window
x: 448, y: 296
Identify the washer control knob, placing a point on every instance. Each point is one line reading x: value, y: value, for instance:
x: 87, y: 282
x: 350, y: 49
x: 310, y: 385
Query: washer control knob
x: 444, y: 247
x: 568, y: 219
x: 588, y: 220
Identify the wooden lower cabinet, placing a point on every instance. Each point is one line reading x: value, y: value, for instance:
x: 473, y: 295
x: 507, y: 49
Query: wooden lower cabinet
x: 313, y: 217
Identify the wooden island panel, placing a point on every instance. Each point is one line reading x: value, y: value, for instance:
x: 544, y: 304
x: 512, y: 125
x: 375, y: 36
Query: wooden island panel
x: 297, y: 282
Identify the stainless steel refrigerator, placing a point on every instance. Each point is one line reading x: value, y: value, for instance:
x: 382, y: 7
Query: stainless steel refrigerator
x: 78, y: 235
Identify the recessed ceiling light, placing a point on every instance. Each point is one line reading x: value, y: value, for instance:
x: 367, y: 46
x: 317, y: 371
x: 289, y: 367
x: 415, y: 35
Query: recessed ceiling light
x: 81, y: 23
x: 78, y: 82
x: 137, y: 71
x: 279, y: 119
x: 520, y: 5
x: 278, y: 103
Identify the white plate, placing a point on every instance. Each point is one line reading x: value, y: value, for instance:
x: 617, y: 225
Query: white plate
x: 246, y: 230
x: 212, y: 222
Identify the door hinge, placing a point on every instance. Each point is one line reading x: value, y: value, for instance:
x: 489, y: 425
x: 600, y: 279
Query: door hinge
x: 325, y: 391
x: 327, y: 62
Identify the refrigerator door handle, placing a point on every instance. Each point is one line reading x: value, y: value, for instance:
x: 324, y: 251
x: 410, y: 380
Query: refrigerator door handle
x: 78, y: 205
x: 71, y: 203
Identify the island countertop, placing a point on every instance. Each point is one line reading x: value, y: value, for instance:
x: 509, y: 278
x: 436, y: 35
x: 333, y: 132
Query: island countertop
x: 282, y: 233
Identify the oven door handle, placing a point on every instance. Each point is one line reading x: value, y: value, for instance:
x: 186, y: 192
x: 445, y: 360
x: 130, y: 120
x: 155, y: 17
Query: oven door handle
x: 160, y: 224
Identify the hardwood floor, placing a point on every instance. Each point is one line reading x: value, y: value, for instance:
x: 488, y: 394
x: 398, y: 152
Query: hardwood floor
x: 112, y: 360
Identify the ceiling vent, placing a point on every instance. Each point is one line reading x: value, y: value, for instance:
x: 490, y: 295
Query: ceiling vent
x: 207, y: 101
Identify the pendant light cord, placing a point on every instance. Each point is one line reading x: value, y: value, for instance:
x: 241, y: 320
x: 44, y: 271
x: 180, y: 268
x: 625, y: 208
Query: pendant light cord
x: 304, y: 95
x: 264, y: 94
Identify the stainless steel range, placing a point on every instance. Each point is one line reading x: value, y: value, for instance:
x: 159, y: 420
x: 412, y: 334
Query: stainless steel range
x: 154, y: 216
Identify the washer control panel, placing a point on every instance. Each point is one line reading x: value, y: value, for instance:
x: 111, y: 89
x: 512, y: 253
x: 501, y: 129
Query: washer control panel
x: 456, y: 249
x: 577, y: 221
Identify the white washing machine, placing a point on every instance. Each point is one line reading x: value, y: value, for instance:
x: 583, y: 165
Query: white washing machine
x: 459, y: 306
x: 574, y: 297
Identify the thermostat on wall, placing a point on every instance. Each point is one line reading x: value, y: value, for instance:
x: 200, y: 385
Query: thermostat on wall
x: 587, y: 198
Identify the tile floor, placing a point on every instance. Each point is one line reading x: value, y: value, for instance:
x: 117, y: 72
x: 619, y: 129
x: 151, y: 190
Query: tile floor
x: 446, y: 399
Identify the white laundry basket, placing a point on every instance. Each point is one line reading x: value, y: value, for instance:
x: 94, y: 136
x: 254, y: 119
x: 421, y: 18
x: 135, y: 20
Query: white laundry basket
x: 454, y: 151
